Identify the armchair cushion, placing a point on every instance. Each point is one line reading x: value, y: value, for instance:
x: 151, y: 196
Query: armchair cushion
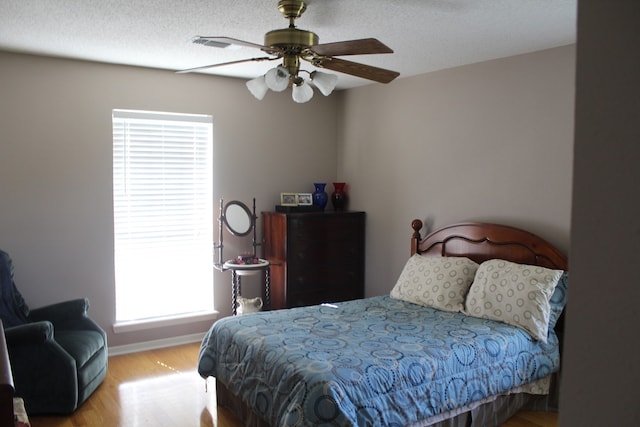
x: 81, y: 345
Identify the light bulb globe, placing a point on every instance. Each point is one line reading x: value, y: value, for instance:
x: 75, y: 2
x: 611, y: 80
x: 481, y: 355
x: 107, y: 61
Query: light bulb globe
x: 325, y: 82
x: 301, y: 92
x: 257, y: 87
x: 277, y: 79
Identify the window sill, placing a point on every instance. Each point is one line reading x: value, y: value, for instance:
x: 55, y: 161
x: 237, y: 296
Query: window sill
x: 162, y: 322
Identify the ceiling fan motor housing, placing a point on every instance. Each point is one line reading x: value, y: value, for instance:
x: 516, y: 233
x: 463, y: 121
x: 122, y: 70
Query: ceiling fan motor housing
x: 290, y: 39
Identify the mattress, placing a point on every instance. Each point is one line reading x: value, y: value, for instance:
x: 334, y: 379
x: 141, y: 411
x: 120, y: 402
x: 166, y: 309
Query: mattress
x: 374, y: 361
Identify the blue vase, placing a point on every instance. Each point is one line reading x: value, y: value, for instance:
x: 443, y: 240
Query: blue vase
x: 320, y: 197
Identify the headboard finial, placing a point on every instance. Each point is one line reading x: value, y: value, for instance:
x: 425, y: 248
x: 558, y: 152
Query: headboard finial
x: 416, y: 224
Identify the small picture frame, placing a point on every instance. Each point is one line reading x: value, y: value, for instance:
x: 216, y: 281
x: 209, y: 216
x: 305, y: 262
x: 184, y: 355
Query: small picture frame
x: 305, y: 199
x: 289, y: 199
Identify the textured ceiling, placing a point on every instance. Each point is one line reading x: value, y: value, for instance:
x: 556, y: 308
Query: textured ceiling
x: 426, y: 35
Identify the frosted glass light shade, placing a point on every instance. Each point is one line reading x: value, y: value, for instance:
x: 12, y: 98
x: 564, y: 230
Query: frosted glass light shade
x: 257, y: 87
x: 325, y: 82
x: 302, y: 93
x: 277, y: 79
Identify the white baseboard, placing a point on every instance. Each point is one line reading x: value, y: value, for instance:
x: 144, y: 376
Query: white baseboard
x: 155, y: 344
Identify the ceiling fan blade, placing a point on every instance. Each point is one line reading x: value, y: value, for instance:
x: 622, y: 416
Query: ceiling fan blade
x: 369, y: 72
x: 352, y: 47
x: 223, y: 42
x: 204, y: 67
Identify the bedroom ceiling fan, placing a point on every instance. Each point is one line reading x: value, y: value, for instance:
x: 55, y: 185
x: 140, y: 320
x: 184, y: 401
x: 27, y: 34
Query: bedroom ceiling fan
x: 293, y: 45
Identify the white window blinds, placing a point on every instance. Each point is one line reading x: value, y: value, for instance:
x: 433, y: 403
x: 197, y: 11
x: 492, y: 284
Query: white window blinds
x: 163, y: 214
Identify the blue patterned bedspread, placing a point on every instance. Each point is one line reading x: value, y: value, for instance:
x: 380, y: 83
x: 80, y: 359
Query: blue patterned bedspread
x: 376, y: 361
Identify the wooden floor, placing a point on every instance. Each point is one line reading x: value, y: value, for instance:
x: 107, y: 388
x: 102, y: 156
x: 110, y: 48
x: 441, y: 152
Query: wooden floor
x: 161, y: 388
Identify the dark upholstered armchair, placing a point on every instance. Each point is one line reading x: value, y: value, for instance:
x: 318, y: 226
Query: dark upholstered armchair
x: 58, y: 354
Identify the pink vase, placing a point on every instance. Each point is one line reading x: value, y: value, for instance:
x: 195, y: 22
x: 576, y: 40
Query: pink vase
x: 339, y: 197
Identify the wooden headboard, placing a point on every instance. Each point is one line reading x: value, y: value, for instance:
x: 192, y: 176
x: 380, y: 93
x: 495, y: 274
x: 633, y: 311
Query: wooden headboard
x: 481, y: 241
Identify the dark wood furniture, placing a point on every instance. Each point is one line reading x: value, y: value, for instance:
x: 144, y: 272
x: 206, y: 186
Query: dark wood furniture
x: 481, y: 241
x: 315, y: 257
x: 6, y: 384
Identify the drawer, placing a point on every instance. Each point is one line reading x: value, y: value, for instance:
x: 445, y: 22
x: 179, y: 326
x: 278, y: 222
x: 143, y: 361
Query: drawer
x: 310, y: 254
x: 327, y: 229
x: 324, y: 279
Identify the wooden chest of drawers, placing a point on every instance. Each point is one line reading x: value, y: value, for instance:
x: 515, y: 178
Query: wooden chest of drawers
x: 315, y: 257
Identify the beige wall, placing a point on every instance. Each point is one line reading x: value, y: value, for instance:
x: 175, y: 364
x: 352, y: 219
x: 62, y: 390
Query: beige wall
x: 600, y: 368
x: 491, y: 141
x: 55, y: 166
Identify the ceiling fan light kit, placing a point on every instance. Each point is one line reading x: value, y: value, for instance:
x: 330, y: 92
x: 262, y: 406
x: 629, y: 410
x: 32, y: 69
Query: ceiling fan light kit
x: 301, y: 91
x: 291, y: 45
x: 277, y: 79
x: 258, y: 87
x: 325, y: 82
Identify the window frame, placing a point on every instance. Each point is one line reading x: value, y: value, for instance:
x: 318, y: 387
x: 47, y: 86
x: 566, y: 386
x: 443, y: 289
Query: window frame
x: 203, y: 214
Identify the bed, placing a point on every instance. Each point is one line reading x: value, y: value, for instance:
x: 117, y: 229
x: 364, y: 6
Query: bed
x: 415, y: 357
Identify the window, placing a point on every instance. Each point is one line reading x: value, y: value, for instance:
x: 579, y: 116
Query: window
x: 163, y: 214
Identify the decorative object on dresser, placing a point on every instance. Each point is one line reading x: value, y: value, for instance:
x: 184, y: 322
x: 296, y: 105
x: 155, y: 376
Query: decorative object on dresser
x: 320, y: 197
x: 304, y: 199
x: 339, y: 196
x: 289, y: 199
x: 315, y: 257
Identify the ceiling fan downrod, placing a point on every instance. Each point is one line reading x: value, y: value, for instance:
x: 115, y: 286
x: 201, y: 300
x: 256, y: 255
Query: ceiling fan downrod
x: 291, y: 40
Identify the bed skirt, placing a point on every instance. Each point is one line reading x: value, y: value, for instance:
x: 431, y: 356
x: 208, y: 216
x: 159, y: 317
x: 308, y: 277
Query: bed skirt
x: 492, y: 413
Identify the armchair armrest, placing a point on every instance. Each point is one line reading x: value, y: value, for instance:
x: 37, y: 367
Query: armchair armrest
x: 69, y: 315
x: 29, y: 333
x: 62, y: 311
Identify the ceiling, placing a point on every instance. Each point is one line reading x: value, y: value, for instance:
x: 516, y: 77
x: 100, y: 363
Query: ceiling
x: 426, y: 35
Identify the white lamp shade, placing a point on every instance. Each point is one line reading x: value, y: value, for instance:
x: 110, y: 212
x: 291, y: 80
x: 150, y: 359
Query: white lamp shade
x: 325, y: 82
x: 302, y: 93
x: 277, y: 79
x: 257, y: 87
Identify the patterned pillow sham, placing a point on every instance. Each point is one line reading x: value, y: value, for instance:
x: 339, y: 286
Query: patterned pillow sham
x: 438, y: 282
x: 558, y: 299
x: 517, y: 294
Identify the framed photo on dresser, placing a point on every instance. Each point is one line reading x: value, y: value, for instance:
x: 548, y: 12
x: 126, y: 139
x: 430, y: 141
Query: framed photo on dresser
x: 305, y: 199
x: 289, y: 199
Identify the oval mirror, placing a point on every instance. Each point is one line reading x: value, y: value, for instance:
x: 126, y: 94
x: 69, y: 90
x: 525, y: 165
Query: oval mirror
x: 238, y: 218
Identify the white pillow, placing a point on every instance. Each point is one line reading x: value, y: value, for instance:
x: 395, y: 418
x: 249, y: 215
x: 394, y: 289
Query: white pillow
x: 439, y: 282
x: 517, y: 294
